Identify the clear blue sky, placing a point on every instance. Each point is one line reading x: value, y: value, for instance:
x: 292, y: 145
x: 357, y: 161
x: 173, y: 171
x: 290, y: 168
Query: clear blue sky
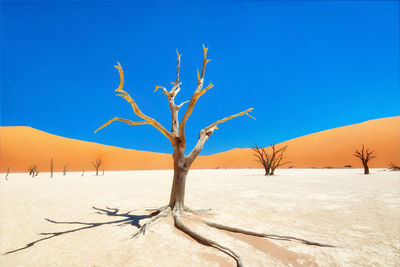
x: 304, y: 66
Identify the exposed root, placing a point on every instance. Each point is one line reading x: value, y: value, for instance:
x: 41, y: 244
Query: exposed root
x: 203, y: 211
x: 160, y: 213
x: 157, y: 209
x: 205, y: 241
x: 277, y: 237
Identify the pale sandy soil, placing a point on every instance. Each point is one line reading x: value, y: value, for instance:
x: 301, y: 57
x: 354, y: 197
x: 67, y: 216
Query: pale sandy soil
x: 358, y: 214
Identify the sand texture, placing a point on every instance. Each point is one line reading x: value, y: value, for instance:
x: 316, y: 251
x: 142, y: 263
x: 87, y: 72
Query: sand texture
x: 359, y: 214
x: 21, y: 147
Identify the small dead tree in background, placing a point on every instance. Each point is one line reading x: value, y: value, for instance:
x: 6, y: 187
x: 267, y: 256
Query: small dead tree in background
x: 33, y: 170
x: 97, y: 163
x: 8, y: 171
x: 51, y: 168
x: 270, y: 161
x: 365, y: 156
x: 65, y: 169
x: 394, y: 167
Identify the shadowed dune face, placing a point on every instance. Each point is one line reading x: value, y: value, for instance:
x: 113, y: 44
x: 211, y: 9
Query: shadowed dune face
x: 22, y: 146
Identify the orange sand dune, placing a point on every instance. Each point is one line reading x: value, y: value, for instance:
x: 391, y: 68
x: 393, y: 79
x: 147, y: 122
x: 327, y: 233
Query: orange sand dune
x: 330, y: 148
x: 21, y: 147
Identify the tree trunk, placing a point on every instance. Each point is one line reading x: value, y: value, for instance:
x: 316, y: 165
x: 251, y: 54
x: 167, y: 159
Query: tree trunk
x: 366, y: 169
x: 272, y: 171
x: 267, y: 171
x: 177, y: 197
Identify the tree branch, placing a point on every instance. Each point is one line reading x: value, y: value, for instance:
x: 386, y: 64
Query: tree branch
x: 123, y: 120
x: 214, y: 125
x: 199, y: 92
x: 206, y: 133
x: 181, y: 104
x: 136, y: 110
x: 175, y: 89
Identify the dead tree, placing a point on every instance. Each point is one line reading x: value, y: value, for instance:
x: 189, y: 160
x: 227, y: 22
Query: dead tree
x: 262, y: 157
x: 97, y: 163
x: 276, y: 158
x: 182, y: 163
x: 365, y: 156
x: 394, y: 167
x: 33, y: 170
x: 8, y: 171
x: 270, y: 161
x: 65, y: 169
x: 83, y: 171
x: 51, y: 168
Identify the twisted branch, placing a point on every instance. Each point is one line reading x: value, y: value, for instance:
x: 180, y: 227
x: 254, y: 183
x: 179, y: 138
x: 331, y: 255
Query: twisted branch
x: 123, y: 120
x: 199, y: 92
x: 206, y: 133
x: 136, y: 110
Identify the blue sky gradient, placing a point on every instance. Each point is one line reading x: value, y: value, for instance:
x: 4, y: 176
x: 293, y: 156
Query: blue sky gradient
x: 304, y: 66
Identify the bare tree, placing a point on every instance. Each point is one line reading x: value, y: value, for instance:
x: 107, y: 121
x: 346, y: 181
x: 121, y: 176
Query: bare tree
x: 182, y: 163
x: 270, y: 161
x: 51, y: 168
x: 83, y: 171
x: 8, y: 171
x: 33, y: 170
x: 97, y: 163
x: 365, y: 156
x: 65, y: 169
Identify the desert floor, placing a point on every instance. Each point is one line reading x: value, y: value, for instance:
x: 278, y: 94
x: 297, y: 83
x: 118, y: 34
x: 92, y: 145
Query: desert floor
x: 359, y: 214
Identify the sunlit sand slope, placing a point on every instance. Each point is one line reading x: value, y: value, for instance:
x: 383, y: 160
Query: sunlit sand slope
x: 330, y: 148
x: 21, y: 147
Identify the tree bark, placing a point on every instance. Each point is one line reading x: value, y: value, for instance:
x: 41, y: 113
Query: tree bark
x: 267, y: 170
x: 366, y: 169
x: 181, y: 169
x: 177, y: 198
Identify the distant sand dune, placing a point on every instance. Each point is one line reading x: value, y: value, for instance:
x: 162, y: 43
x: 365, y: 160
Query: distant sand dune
x: 22, y: 146
x: 330, y: 148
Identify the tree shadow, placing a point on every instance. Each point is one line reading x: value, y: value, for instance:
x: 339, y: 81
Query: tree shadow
x: 127, y: 219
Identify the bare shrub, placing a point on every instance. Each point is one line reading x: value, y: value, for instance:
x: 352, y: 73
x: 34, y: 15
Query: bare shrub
x: 97, y: 163
x: 33, y: 170
x: 65, y: 169
x: 394, y: 167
